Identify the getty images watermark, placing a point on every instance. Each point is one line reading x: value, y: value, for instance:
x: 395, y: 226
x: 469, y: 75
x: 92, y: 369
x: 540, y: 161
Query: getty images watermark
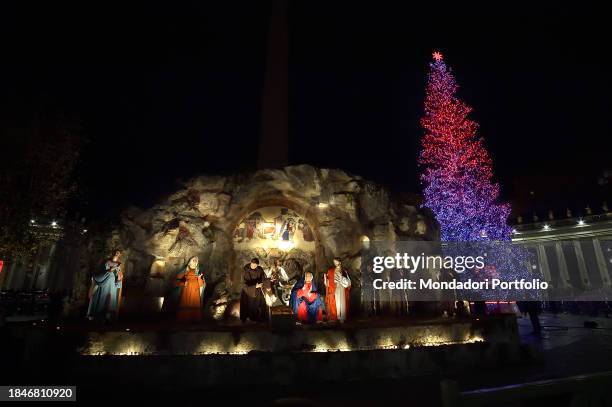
x: 434, y: 271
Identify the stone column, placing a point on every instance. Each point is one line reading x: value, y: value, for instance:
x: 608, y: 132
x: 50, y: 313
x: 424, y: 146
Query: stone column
x: 581, y: 263
x: 601, y: 263
x: 563, y: 273
x: 9, y: 271
x: 19, y: 275
x: 13, y: 270
x: 543, y: 260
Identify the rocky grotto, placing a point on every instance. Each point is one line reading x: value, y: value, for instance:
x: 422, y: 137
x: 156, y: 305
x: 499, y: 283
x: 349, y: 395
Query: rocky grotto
x: 226, y: 220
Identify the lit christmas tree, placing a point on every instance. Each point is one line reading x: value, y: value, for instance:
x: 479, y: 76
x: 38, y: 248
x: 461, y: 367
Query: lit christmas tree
x: 459, y: 187
x: 457, y: 169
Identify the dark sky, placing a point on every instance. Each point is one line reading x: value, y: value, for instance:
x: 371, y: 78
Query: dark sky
x: 173, y: 90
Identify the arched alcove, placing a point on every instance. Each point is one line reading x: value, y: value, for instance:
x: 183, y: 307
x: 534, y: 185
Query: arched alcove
x: 275, y: 232
x: 275, y: 227
x: 204, y: 219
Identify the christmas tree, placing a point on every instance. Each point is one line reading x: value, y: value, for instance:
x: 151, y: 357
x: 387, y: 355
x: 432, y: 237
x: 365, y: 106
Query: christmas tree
x: 459, y: 187
x: 457, y: 169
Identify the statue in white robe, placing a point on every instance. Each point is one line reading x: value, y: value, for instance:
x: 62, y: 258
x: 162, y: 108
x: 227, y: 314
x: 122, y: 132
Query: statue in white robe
x: 338, y: 284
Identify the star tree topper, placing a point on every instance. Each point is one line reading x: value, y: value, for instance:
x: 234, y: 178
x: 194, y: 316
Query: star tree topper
x: 437, y: 56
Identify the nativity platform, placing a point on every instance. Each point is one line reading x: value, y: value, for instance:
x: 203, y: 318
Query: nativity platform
x: 235, y: 354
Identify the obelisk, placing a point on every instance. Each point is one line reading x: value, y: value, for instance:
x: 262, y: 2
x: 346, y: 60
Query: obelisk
x: 274, y: 137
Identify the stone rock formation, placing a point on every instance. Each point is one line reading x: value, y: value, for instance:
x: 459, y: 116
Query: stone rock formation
x: 343, y: 210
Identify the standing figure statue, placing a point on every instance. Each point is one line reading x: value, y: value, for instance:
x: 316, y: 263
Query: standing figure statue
x: 337, y: 297
x: 276, y: 273
x: 191, y: 284
x: 252, y: 302
x: 105, y: 289
x: 275, y: 278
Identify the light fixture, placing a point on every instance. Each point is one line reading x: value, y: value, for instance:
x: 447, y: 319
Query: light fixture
x: 54, y: 224
x: 365, y: 242
x: 32, y: 221
x: 546, y: 227
x: 285, y: 245
x: 581, y: 222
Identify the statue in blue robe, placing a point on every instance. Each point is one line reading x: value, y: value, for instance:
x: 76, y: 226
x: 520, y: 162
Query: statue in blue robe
x: 105, y: 291
x: 305, y: 300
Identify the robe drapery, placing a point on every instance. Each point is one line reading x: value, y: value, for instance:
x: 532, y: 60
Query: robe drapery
x: 105, y: 291
x: 191, y: 286
x: 252, y: 302
x: 305, y: 301
x: 338, y: 295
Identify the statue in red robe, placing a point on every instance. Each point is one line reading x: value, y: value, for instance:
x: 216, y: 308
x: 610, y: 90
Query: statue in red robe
x: 337, y: 297
x: 306, y: 301
x: 191, y: 283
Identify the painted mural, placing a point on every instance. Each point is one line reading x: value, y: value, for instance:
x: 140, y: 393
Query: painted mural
x: 274, y: 228
x: 275, y: 233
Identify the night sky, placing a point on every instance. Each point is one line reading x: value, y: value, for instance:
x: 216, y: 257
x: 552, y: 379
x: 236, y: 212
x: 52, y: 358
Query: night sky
x: 169, y: 91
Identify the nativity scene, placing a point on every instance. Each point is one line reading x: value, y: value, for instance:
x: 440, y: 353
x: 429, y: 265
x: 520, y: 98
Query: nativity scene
x: 240, y: 248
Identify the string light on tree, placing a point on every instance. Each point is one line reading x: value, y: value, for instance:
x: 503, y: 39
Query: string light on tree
x: 457, y: 173
x: 457, y: 168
